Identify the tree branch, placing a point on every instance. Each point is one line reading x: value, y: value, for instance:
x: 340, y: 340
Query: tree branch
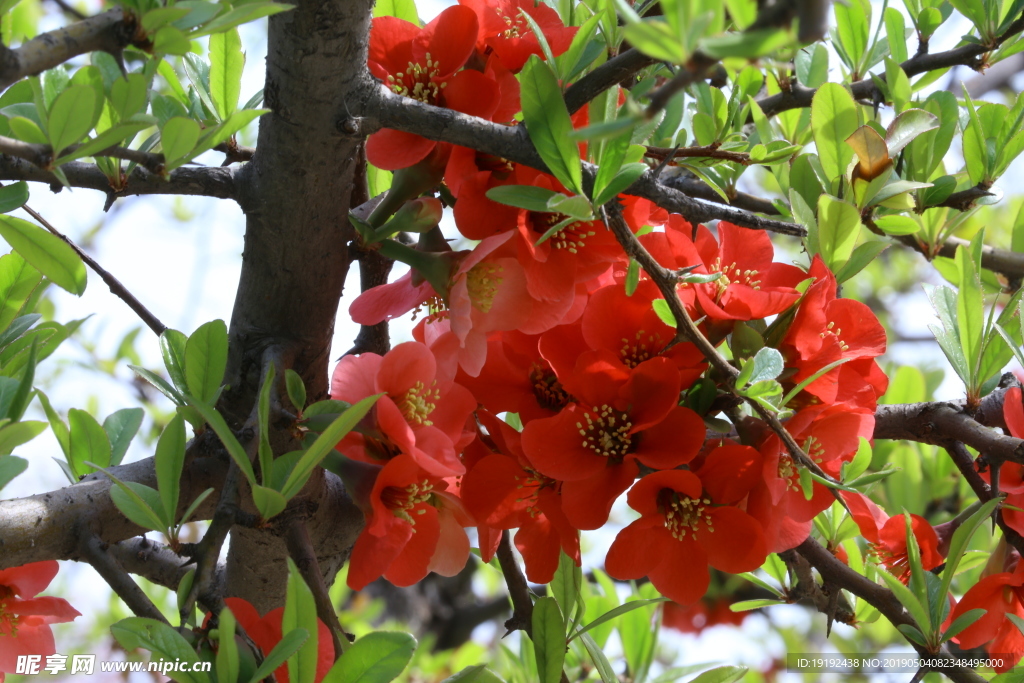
x: 381, y: 108
x: 187, y: 180
x: 301, y: 549
x: 940, y: 423
x: 108, y: 32
x: 707, y: 151
x: 43, y: 155
x: 116, y: 288
x: 970, y: 55
x: 695, y: 187
x: 1002, y: 261
x: 153, y: 561
x: 94, y: 553
x: 518, y: 588
x: 615, y: 70
x: 837, y: 573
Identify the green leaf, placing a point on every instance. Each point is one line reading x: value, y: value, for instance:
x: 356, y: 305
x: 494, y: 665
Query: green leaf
x: 178, y: 138
x: 746, y: 44
x: 962, y: 622
x: 171, y: 41
x: 27, y: 130
x: 227, y: 437
x: 242, y: 14
x: 721, y: 674
x: 206, y: 359
x: 477, y: 673
x: 657, y: 40
x: 403, y: 9
x: 71, y: 116
x: 601, y: 663
x: 88, y: 441
x: 300, y: 612
x: 907, y: 598
x: 527, y: 197
x: 226, y: 63
x: 896, y: 31
x: 18, y: 279
x: 160, y: 383
x: 324, y: 444
x: 161, y: 639
x: 139, y: 503
x: 975, y: 150
x: 172, y: 348
x: 548, y: 123
x: 378, y: 657
x: 944, y: 301
x: 284, y: 649
x: 897, y: 224
x: 548, y: 640
x: 833, y: 120
x: 13, y: 196
x: 626, y: 176
x: 169, y: 460
x: 15, y: 434
x: 565, y: 586
x: 296, y: 389
x: 616, y: 612
x: 767, y: 364
x: 862, y: 255
x: 47, y: 253
x: 10, y: 467
x: 838, y: 227
x: 227, y: 649
x: 747, y: 605
x: 907, y: 126
x: 23, y: 393
x: 961, y: 538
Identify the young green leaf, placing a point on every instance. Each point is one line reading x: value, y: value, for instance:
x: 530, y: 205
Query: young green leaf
x: 378, y: 657
x: 169, y: 460
x: 296, y: 389
x: 548, y: 123
x: 121, y: 427
x: 88, y: 442
x: 71, y: 116
x: 206, y: 358
x: 300, y: 612
x: 49, y: 254
x: 172, y: 348
x: 833, y: 120
x: 548, y: 640
x: 226, y: 63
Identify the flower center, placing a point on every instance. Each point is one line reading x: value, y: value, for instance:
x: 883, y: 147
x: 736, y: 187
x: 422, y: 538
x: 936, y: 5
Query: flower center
x: 643, y: 347
x: 733, y: 274
x: 418, y: 403
x: 549, y: 392
x: 531, y: 485
x: 835, y: 332
x: 606, y: 432
x: 501, y: 168
x: 684, y: 515
x: 482, y: 283
x: 402, y: 500
x: 572, y: 237
x: 787, y: 471
x: 517, y: 27
x: 8, y: 621
x: 436, y: 309
x: 417, y: 82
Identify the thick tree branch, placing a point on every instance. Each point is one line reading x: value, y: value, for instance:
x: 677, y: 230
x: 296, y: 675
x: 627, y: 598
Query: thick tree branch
x: 108, y: 32
x: 381, y: 108
x: 970, y: 55
x: 1002, y: 261
x: 153, y: 561
x: 940, y: 423
x: 187, y: 180
x: 94, y: 553
x: 47, y: 526
x: 119, y: 290
x: 615, y: 70
x: 301, y: 550
x: 838, y: 574
x: 43, y: 156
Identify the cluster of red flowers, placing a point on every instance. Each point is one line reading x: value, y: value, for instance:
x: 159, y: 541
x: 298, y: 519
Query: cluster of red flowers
x: 545, y: 330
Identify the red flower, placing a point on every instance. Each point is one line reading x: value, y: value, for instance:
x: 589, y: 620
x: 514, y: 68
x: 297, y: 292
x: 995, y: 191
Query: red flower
x: 700, y: 615
x: 421, y: 63
x: 888, y: 536
x: 266, y: 632
x: 417, y: 415
x: 622, y: 418
x: 414, y: 526
x: 752, y: 285
x: 999, y: 594
x: 826, y: 329
x: 683, y: 529
x: 503, y: 491
x: 504, y: 30
x: 24, y: 618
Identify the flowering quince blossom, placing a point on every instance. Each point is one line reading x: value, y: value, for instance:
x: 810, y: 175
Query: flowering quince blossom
x: 1011, y: 474
x: 504, y: 490
x: 998, y: 595
x: 266, y: 632
x: 24, y: 618
x: 424, y: 64
x: 414, y: 525
x: 504, y: 30
x: 621, y: 419
x: 417, y: 414
x: 682, y: 529
x: 888, y: 536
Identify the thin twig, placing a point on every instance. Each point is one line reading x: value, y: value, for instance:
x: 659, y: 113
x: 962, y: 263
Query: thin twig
x: 518, y: 588
x: 119, y: 290
x: 615, y: 70
x: 705, y: 151
x: 92, y: 550
x: 967, y: 466
x: 300, y: 548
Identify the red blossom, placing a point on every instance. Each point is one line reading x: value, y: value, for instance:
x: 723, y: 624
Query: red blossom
x: 683, y: 528
x: 888, y: 536
x: 414, y: 526
x: 998, y: 595
x: 504, y: 29
x: 266, y: 632
x: 621, y: 419
x: 24, y: 618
